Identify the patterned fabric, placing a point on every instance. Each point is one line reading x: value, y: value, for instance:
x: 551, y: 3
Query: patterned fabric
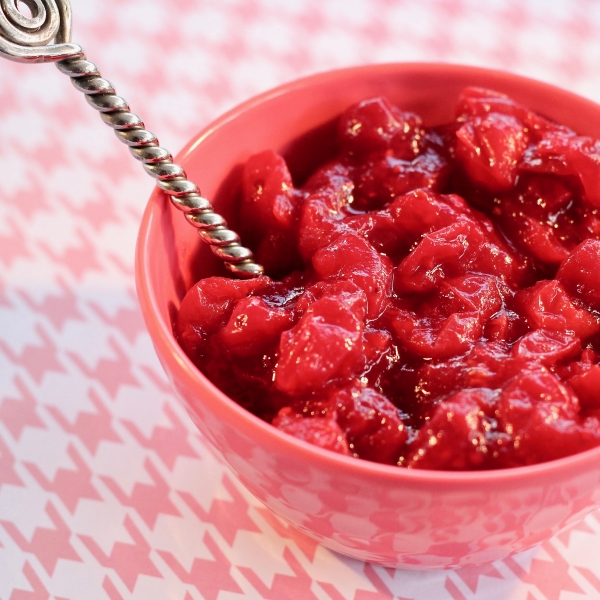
x: 106, y: 490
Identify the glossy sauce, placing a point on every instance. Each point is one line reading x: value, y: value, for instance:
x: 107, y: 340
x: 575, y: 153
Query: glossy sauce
x: 433, y: 293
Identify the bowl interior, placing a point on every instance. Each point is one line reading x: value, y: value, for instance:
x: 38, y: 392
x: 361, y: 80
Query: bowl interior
x: 298, y: 120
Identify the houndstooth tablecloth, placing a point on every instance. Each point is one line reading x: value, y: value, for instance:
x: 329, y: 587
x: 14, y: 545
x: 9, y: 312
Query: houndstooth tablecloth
x: 107, y: 492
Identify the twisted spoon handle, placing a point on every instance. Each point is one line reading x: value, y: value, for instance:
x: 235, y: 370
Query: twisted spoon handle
x: 157, y: 161
x: 29, y: 39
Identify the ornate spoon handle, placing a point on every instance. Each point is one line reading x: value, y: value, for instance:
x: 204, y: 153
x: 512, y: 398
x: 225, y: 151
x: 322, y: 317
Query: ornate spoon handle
x: 29, y: 39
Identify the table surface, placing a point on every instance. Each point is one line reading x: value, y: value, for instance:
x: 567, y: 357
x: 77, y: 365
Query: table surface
x: 106, y: 490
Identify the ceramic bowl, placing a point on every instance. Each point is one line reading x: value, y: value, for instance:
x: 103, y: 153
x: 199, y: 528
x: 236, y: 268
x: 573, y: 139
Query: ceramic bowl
x: 378, y: 513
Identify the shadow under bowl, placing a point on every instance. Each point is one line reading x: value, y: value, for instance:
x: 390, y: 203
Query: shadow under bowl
x: 378, y: 513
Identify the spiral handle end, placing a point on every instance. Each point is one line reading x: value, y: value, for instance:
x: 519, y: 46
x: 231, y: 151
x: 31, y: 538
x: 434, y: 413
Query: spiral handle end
x: 43, y: 36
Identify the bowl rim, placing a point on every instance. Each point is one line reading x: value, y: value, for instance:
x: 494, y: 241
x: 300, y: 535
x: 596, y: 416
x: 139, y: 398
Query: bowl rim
x: 161, y: 333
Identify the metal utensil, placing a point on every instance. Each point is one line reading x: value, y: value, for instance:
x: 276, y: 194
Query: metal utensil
x: 45, y: 36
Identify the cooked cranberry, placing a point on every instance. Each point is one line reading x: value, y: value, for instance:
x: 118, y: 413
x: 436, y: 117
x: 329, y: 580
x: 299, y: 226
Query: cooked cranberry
x: 433, y: 298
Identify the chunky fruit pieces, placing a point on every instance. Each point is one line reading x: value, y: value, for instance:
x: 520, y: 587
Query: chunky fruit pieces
x: 371, y: 424
x: 320, y: 431
x: 580, y: 276
x: 324, y: 345
x: 377, y: 125
x: 462, y: 247
x: 490, y: 149
x: 206, y: 307
x: 434, y: 300
x: 352, y: 258
x: 458, y: 435
x: 547, y: 305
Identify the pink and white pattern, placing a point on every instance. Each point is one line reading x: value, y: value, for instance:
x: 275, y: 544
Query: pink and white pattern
x: 106, y: 489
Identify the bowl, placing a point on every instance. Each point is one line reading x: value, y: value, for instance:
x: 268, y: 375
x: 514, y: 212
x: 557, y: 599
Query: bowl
x: 383, y: 514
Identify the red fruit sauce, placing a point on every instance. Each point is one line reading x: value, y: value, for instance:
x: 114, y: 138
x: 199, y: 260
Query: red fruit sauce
x: 433, y: 298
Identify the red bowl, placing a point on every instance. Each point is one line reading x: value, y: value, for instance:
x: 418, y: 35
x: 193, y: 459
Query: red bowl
x: 378, y: 513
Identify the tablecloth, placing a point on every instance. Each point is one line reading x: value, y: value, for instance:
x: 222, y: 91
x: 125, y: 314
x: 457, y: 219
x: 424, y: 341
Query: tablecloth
x: 107, y: 491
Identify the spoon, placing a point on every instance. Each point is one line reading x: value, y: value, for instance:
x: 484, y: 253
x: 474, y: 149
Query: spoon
x: 45, y: 36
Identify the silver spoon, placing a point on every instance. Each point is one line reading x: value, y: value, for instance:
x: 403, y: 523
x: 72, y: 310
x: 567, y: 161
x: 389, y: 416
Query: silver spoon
x: 45, y: 36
